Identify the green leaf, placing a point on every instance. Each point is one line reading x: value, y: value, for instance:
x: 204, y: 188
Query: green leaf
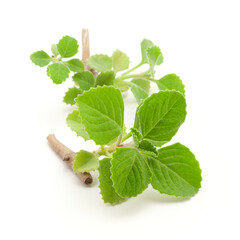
x: 155, y: 57
x: 67, y: 47
x: 109, y: 194
x: 160, y: 116
x: 120, y: 61
x: 58, y: 72
x: 171, y: 82
x: 145, y: 44
x: 85, y: 161
x: 142, y: 83
x: 105, y: 78
x: 40, y: 58
x: 130, y: 172
x: 84, y: 79
x: 137, y: 136
x: 71, y: 94
x: 74, y: 121
x: 122, y: 86
x: 175, y: 171
x: 138, y: 92
x: 147, y: 146
x: 100, y: 62
x: 102, y: 113
x: 75, y: 65
x: 54, y: 50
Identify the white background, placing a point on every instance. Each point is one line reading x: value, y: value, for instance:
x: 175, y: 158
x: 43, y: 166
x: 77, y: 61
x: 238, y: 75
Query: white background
x: 40, y: 197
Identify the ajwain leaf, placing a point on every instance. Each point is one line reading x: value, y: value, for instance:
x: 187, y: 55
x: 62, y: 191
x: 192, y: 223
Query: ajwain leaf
x: 40, y: 58
x: 58, y: 72
x: 85, y: 161
x: 147, y: 146
x: 142, y: 83
x: 138, y: 92
x: 71, y: 94
x: 130, y: 172
x: 100, y: 62
x: 145, y: 44
x: 75, y: 65
x: 154, y: 56
x: 175, y: 171
x: 84, y: 79
x: 105, y: 78
x: 137, y: 136
x: 67, y: 47
x: 120, y: 61
x: 102, y: 111
x: 54, y: 50
x: 108, y: 193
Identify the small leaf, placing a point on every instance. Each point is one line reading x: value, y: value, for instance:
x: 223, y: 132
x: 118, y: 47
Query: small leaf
x: 175, y: 171
x: 105, y: 78
x: 100, y: 62
x: 109, y: 194
x: 102, y: 111
x: 130, y: 172
x: 75, y: 65
x: 122, y: 86
x: 155, y: 57
x: 120, y: 61
x: 84, y: 79
x: 54, y: 50
x: 74, y: 121
x: 85, y: 161
x: 40, y: 58
x: 138, y: 92
x: 67, y: 47
x: 145, y: 44
x: 160, y: 116
x: 171, y: 82
x: 58, y: 72
x: 71, y: 94
x: 147, y: 146
x: 142, y: 83
x: 137, y: 136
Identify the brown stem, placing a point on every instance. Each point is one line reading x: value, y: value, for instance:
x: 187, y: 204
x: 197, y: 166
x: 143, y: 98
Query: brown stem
x: 67, y: 156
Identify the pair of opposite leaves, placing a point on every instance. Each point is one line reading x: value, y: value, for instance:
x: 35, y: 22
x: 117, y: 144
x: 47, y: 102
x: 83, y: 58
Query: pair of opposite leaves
x: 171, y: 170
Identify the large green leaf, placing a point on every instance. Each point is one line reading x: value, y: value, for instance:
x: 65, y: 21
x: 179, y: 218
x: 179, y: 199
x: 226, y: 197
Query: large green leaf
x: 175, y: 171
x: 100, y: 62
x: 145, y: 44
x: 105, y: 78
x: 85, y: 161
x: 159, y: 116
x: 71, y: 94
x: 74, y: 121
x: 102, y: 112
x: 108, y: 193
x: 58, y: 72
x: 67, y: 47
x: 171, y: 82
x: 120, y: 61
x: 40, y: 58
x: 84, y: 79
x: 130, y: 172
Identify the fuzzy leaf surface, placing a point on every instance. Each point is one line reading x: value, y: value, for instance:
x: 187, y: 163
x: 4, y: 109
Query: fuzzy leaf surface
x: 147, y: 146
x: 75, y: 65
x: 102, y: 111
x: 40, y: 58
x: 71, y: 94
x: 155, y: 57
x: 58, y: 72
x: 74, y: 121
x: 159, y: 116
x: 100, y: 62
x: 84, y: 79
x: 85, y: 161
x: 142, y: 83
x: 145, y: 44
x: 137, y: 136
x: 67, y: 47
x: 171, y: 82
x: 130, y: 172
x: 108, y: 193
x: 175, y: 171
x: 120, y: 61
x: 105, y: 78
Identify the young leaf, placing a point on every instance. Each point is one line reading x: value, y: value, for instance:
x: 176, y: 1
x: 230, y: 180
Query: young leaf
x: 74, y: 121
x: 100, y: 62
x: 147, y: 146
x: 84, y: 79
x: 130, y: 172
x: 40, y: 58
x: 105, y: 78
x: 58, y: 72
x: 137, y: 136
x: 85, y: 161
x: 142, y: 83
x: 138, y: 92
x: 159, y: 116
x: 122, y: 86
x: 102, y: 113
x: 54, y: 50
x: 67, y: 47
x: 155, y: 57
x: 75, y: 65
x: 171, y: 82
x: 145, y: 44
x: 120, y: 61
x: 175, y: 171
x: 108, y: 193
x: 71, y: 94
